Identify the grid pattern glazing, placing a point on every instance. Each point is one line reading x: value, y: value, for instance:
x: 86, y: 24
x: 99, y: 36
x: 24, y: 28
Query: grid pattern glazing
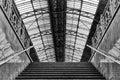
x: 80, y: 15
x: 37, y: 21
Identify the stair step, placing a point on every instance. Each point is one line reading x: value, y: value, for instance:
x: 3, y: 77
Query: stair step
x: 61, y: 68
x: 60, y: 71
x: 63, y: 63
x: 63, y: 74
x: 39, y: 66
x: 60, y: 77
x: 60, y: 64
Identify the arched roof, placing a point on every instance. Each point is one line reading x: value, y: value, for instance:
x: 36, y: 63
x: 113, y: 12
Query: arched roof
x: 77, y: 20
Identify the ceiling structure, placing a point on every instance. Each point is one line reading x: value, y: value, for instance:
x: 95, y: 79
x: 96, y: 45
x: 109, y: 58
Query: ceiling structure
x: 100, y: 9
x: 58, y: 28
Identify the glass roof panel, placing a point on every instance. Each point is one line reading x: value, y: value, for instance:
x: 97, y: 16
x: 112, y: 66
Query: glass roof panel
x: 79, y: 18
x: 37, y: 22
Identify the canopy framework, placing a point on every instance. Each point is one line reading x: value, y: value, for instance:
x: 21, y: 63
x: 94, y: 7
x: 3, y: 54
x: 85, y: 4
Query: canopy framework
x: 57, y: 13
x: 60, y: 27
x: 80, y: 15
x: 37, y: 21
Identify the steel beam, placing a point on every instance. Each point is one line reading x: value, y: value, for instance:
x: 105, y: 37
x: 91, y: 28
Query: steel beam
x: 57, y: 11
x: 38, y: 27
x: 77, y: 26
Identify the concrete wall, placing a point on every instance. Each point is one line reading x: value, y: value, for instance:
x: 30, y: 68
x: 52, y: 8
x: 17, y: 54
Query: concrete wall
x: 10, y: 70
x: 9, y: 45
x: 110, y: 69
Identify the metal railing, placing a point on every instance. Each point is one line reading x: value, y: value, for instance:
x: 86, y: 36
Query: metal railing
x: 14, y: 55
x: 115, y: 59
x: 111, y: 10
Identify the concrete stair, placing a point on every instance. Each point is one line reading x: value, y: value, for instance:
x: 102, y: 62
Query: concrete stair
x: 60, y: 71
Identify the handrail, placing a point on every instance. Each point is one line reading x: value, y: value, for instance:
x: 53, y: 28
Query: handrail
x: 108, y: 26
x: 14, y: 55
x: 105, y: 54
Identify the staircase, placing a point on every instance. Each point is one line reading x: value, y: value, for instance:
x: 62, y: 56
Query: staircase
x: 60, y: 71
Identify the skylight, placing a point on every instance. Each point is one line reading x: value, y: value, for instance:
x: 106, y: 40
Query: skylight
x: 79, y: 17
x: 37, y: 21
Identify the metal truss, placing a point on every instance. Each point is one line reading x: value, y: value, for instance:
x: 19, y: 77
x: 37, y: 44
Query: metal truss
x: 77, y: 26
x: 65, y: 21
x: 57, y: 13
x: 83, y: 13
x: 40, y: 11
x: 39, y: 28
